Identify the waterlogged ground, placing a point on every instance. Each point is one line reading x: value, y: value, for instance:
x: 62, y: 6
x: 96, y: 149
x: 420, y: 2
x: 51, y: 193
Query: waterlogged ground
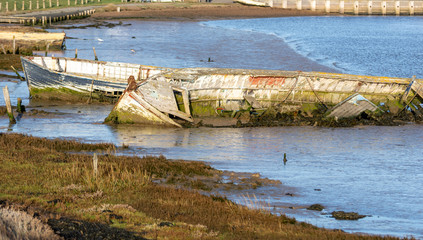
x: 374, y: 171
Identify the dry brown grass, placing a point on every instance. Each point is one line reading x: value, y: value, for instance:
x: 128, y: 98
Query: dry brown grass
x: 125, y: 194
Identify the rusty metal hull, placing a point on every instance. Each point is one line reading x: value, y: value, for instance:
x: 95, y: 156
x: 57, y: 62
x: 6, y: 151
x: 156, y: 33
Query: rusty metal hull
x: 81, y: 76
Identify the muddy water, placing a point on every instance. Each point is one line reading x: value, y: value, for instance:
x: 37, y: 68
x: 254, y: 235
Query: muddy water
x: 375, y: 171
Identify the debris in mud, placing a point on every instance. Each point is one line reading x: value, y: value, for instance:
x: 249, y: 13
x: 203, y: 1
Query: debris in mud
x: 316, y: 207
x: 78, y: 229
x: 341, y: 215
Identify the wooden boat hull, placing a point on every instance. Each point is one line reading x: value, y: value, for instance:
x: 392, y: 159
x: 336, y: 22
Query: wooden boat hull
x: 215, y: 92
x: 57, y: 78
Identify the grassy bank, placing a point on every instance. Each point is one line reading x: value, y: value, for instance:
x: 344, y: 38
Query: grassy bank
x: 144, y: 197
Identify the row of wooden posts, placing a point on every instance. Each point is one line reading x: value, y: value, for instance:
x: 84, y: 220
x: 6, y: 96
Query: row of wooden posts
x: 357, y: 6
x: 6, y: 8
x: 47, y: 20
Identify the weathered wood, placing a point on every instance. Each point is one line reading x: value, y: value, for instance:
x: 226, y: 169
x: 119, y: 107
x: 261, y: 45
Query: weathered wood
x: 95, y: 54
x: 95, y: 165
x: 8, y: 105
x: 4, y: 50
x: 17, y: 73
x: 407, y: 90
x: 19, y: 106
x: 14, y: 44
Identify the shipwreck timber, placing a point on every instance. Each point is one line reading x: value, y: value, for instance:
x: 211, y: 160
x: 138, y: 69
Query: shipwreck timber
x: 240, y: 93
x: 80, y: 79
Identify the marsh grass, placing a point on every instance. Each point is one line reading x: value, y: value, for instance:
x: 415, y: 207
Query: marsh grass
x: 131, y: 193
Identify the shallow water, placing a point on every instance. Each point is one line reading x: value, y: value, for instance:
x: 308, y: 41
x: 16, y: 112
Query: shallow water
x: 375, y: 171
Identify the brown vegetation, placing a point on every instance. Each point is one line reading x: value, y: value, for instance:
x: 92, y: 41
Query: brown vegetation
x: 131, y: 193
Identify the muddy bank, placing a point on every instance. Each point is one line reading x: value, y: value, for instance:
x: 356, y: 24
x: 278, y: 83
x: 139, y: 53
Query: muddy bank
x: 192, y: 11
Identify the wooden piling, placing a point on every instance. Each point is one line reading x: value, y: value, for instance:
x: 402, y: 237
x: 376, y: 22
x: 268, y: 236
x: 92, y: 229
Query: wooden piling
x: 38, y: 4
x: 49, y: 19
x: 30, y: 5
x: 17, y: 73
x: 49, y: 3
x: 44, y: 4
x: 411, y: 7
x: 299, y: 5
x: 356, y: 7
x: 76, y: 52
x: 95, y: 54
x: 341, y: 7
x: 82, y: 2
x: 313, y: 5
x: 7, y: 6
x: 369, y: 7
x: 19, y: 106
x: 23, y: 5
x: 14, y: 6
x: 397, y: 8
x: 42, y: 21
x: 0, y: 6
x: 68, y: 3
x: 383, y: 6
x: 284, y: 4
x: 4, y: 50
x: 95, y: 165
x: 8, y: 105
x: 76, y: 2
x: 14, y: 45
x: 47, y: 47
x: 327, y: 6
x: 57, y: 3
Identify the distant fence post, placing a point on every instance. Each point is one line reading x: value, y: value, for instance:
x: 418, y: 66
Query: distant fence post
x: 341, y: 7
x: 49, y: 3
x: 30, y: 5
x: 369, y: 7
x: 68, y: 3
x: 284, y: 4
x: 299, y: 5
x: 7, y: 6
x: 14, y: 6
x: 383, y: 6
x: 411, y: 7
x: 23, y: 5
x: 44, y: 4
x: 327, y: 6
x: 14, y: 44
x: 356, y: 7
x: 57, y: 3
x: 397, y: 8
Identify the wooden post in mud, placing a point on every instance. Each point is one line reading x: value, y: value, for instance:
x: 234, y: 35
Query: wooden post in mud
x: 341, y: 7
x: 95, y: 54
x: 49, y: 3
x: 4, y: 50
x: 38, y: 4
x: 47, y: 47
x: 17, y: 73
x: 369, y: 7
x: 19, y: 107
x: 7, y: 6
x: 68, y: 3
x: 57, y: 3
x: 299, y: 4
x: 14, y: 45
x: 30, y: 5
x: 383, y: 6
x: 76, y: 52
x: 284, y: 4
x: 42, y: 21
x: 14, y: 6
x: 44, y: 4
x: 8, y: 105
x: 23, y: 5
x: 49, y: 19
x: 313, y: 5
x: 95, y: 165
x: 411, y: 7
x: 82, y: 2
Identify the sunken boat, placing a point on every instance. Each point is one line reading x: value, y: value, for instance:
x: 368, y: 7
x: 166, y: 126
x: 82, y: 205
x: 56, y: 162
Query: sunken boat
x: 173, y: 97
x: 59, y: 78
